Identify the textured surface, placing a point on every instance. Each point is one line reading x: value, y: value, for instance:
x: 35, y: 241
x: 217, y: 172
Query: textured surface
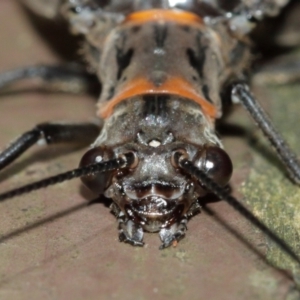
x: 55, y: 246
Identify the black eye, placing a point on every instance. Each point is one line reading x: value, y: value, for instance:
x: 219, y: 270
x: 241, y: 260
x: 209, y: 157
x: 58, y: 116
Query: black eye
x: 100, y: 181
x: 216, y: 163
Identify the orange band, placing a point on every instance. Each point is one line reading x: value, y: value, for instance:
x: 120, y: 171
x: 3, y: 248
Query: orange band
x: 178, y: 16
x: 173, y: 86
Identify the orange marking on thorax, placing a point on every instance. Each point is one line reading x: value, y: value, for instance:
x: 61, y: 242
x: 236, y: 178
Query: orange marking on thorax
x: 178, y: 16
x: 172, y: 86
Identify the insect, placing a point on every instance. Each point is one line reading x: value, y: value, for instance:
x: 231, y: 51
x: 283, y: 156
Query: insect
x: 157, y: 151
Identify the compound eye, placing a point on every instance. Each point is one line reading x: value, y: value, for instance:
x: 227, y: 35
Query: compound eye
x: 100, y: 181
x: 216, y: 163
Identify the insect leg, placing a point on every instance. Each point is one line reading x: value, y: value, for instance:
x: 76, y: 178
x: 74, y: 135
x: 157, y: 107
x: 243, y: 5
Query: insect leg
x: 285, y: 70
x: 47, y: 9
x: 49, y: 133
x: 67, y: 78
x: 241, y: 93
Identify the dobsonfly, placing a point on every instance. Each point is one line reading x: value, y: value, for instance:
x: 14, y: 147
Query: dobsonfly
x: 163, y: 66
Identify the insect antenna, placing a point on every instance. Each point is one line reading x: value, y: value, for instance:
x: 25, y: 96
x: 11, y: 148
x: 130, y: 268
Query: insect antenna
x: 123, y: 161
x: 222, y: 193
x: 241, y: 93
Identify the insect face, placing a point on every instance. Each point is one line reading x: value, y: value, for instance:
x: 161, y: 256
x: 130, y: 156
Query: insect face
x: 154, y: 193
